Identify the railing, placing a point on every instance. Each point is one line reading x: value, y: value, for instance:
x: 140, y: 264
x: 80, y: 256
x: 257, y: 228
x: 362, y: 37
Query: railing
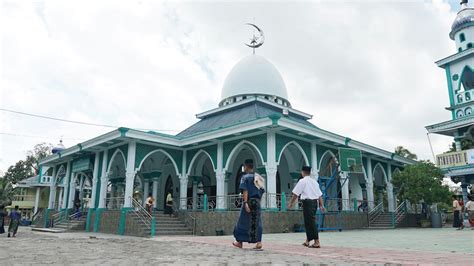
x: 453, y: 159
x: 375, y: 212
x: 37, y: 217
x: 400, y: 213
x: 143, y: 214
x: 23, y: 197
x: 57, y: 218
x: 115, y: 203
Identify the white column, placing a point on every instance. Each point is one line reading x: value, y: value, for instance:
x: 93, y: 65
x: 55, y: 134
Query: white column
x: 314, y: 161
x: 370, y: 184
x: 37, y: 199
x: 155, y: 191
x: 226, y: 190
x: 391, y: 202
x: 95, y: 178
x: 271, y: 169
x: 195, y: 193
x: 103, y: 181
x: 52, y: 190
x: 66, y: 185
x: 81, y: 188
x: 146, y: 188
x: 183, y: 190
x: 345, y: 191
x: 72, y: 191
x: 130, y: 174
x: 60, y: 200
x: 220, y: 177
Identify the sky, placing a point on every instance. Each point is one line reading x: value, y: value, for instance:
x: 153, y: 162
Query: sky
x: 363, y: 69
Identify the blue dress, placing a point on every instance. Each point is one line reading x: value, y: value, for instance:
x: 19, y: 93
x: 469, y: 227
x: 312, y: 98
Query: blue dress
x: 249, y: 226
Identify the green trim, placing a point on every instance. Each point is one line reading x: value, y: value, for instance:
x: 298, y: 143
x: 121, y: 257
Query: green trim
x: 393, y: 155
x: 283, y: 202
x: 80, y: 146
x: 450, y: 88
x: 123, y: 131
x: 275, y: 117
x: 123, y: 218
x: 88, y: 220
x: 98, y: 213
x: 205, y: 207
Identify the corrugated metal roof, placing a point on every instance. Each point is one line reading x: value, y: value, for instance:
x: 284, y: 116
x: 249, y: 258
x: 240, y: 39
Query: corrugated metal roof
x: 252, y: 111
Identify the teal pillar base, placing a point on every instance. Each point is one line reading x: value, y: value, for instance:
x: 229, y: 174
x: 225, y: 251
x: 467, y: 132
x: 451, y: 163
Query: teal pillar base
x: 283, y: 202
x: 98, y: 213
x: 46, y: 218
x: 205, y: 207
x: 123, y: 217
x: 153, y: 226
x: 88, y: 220
x: 221, y: 210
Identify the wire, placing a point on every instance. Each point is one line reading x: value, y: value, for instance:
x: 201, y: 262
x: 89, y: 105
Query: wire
x: 431, y: 147
x: 73, y: 121
x: 41, y: 137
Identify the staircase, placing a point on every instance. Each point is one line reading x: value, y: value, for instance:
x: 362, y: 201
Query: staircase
x: 170, y: 226
x: 386, y: 220
x: 72, y: 224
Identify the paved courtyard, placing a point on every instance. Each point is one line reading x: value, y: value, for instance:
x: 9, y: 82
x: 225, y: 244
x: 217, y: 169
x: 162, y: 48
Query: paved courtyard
x: 401, y: 246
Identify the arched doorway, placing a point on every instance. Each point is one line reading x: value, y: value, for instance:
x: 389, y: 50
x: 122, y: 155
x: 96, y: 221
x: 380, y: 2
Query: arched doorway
x: 158, y: 173
x: 329, y: 181
x: 380, y: 186
x: 202, y: 181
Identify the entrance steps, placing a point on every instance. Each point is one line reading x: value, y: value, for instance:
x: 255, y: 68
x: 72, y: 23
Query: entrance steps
x: 48, y: 230
x: 384, y: 221
x: 165, y: 226
x: 72, y: 225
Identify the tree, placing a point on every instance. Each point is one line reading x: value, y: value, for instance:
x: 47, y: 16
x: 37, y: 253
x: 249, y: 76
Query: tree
x: 422, y: 181
x: 404, y: 152
x: 28, y: 167
x: 6, y: 192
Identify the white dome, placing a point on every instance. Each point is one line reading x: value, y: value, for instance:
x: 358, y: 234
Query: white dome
x: 254, y: 75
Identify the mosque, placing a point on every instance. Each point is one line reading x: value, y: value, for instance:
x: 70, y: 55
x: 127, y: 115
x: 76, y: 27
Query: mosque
x: 112, y: 174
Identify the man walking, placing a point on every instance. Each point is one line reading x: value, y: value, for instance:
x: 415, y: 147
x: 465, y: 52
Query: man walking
x: 310, y: 194
x: 249, y: 226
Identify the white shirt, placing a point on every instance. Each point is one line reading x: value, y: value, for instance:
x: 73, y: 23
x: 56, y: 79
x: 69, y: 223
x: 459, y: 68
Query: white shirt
x: 470, y: 205
x: 307, y: 188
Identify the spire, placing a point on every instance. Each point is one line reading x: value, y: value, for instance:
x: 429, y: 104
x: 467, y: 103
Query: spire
x: 463, y: 4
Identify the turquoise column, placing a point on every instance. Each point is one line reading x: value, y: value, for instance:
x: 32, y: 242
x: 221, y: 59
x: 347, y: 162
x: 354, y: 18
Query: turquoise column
x: 283, y: 202
x: 98, y: 213
x: 205, y: 209
x: 46, y: 218
x: 88, y: 220
x: 123, y: 219
x: 153, y: 226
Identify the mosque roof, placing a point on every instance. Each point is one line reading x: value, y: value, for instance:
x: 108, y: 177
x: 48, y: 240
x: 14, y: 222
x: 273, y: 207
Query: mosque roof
x: 254, y: 75
x: 464, y: 18
x: 240, y: 114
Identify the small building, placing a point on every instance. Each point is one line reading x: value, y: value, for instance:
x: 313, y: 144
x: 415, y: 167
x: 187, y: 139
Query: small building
x: 459, y: 165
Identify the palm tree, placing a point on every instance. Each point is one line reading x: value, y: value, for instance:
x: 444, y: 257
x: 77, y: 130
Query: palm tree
x: 6, y: 192
x: 404, y: 152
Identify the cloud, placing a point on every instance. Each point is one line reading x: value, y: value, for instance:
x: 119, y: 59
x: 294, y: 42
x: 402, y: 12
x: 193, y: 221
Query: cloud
x: 364, y: 69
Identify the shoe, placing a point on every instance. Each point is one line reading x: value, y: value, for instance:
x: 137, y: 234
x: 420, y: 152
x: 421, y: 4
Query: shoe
x: 8, y: 235
x: 237, y: 244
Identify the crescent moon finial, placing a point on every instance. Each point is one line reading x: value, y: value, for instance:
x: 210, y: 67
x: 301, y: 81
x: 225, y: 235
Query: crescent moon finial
x: 256, y: 41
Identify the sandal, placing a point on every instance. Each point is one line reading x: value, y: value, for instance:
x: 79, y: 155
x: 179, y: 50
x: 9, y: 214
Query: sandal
x: 315, y: 245
x: 258, y: 246
x: 306, y: 244
x: 237, y: 244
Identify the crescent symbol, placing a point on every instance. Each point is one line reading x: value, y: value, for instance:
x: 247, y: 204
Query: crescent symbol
x: 256, y: 41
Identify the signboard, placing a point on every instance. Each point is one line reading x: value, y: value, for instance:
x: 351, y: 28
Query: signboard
x: 81, y: 165
x: 350, y: 160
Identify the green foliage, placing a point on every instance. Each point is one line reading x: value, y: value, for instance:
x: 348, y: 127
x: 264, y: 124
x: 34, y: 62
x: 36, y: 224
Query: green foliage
x: 404, y: 152
x: 28, y: 167
x: 421, y: 181
x: 6, y: 192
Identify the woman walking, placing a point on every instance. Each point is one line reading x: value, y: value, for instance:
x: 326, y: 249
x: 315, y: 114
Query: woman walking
x: 15, y: 217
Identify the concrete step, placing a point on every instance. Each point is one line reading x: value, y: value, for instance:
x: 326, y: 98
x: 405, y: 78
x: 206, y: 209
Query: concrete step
x: 174, y: 233
x: 48, y: 230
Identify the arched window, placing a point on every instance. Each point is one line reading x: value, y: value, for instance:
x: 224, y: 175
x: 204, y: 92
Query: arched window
x: 459, y: 49
x: 459, y: 98
x: 469, y: 45
x: 459, y: 114
x: 468, y: 111
x: 462, y: 38
x: 467, y: 79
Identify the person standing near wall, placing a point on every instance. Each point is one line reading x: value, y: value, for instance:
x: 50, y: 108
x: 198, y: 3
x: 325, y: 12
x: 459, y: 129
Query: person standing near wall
x: 457, y: 211
x: 15, y: 217
x: 308, y: 189
x: 2, y: 219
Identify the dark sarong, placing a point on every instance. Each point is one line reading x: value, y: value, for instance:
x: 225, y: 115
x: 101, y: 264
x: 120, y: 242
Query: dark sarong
x: 309, y: 211
x: 457, y: 222
x: 249, y: 226
x: 13, y: 226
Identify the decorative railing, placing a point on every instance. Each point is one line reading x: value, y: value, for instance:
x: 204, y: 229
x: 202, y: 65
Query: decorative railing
x: 24, y: 198
x: 37, y: 217
x: 399, y: 213
x: 453, y: 159
x: 188, y: 218
x: 115, y: 203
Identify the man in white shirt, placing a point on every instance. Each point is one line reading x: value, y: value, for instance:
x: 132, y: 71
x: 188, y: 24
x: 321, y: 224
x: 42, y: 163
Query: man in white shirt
x: 308, y: 189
